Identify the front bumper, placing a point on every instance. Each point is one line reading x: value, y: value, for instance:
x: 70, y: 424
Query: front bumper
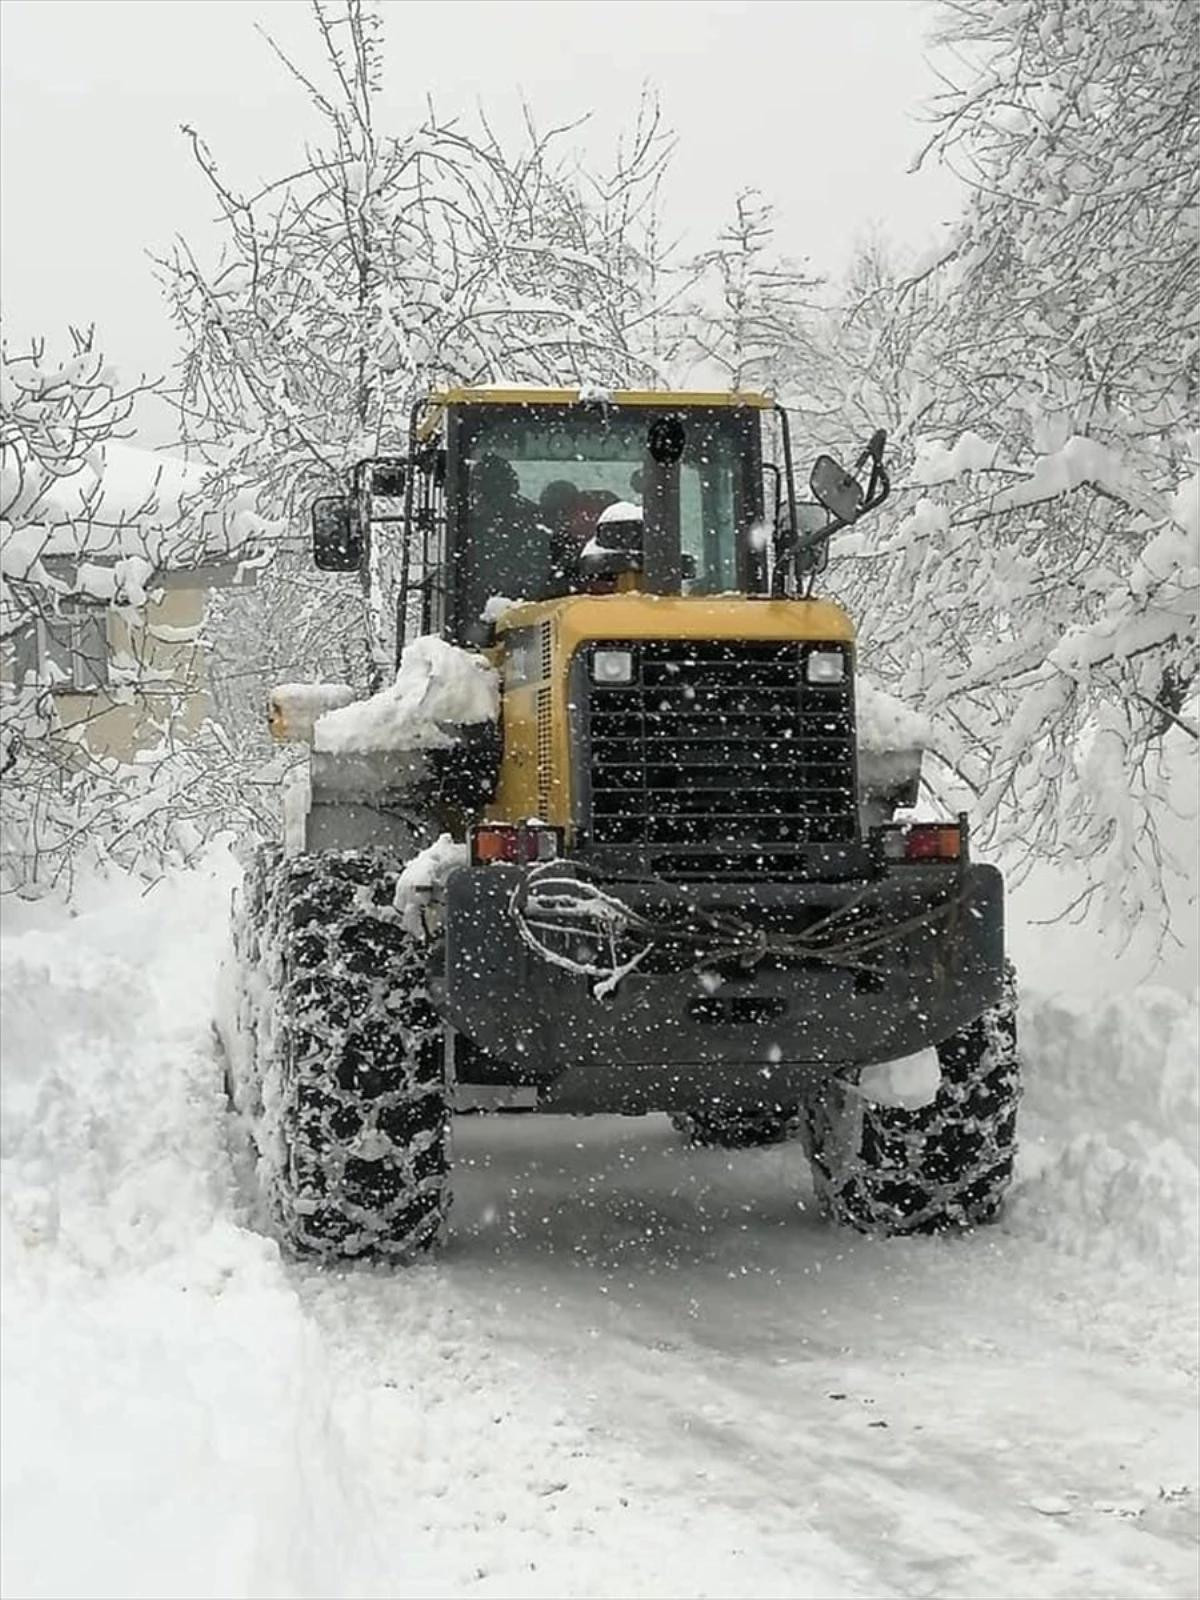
x: 670, y: 1039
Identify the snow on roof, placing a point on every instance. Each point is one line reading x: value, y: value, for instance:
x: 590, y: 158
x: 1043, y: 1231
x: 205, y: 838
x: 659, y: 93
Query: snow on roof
x: 122, y: 484
x: 124, y: 506
x: 518, y: 393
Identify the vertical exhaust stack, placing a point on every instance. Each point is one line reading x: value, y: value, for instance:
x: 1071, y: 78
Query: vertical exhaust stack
x: 662, y: 564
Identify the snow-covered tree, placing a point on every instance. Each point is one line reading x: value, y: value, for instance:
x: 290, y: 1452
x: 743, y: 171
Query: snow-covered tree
x: 384, y: 266
x: 1077, y: 136
x: 743, y: 323
x: 1036, y: 587
x: 56, y: 418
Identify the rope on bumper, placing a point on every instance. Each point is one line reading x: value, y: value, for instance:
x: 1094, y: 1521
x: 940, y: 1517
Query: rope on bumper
x: 550, y: 905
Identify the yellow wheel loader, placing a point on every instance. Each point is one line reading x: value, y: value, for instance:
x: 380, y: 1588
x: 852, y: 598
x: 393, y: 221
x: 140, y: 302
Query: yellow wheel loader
x: 611, y: 838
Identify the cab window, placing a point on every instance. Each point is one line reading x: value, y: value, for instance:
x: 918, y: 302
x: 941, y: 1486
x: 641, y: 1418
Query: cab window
x: 537, y: 479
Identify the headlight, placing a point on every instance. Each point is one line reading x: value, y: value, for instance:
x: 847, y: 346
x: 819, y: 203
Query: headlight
x: 612, y: 666
x: 825, y: 666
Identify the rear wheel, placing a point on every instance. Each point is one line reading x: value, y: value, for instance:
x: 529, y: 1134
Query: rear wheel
x: 346, y: 1091
x: 727, y: 1129
x: 949, y: 1164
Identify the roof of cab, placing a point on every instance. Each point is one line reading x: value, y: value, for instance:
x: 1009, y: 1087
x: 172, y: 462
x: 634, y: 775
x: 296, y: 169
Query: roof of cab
x: 501, y: 394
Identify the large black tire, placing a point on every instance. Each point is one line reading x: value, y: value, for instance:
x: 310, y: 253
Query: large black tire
x: 342, y: 1067
x: 947, y: 1165
x: 723, y: 1128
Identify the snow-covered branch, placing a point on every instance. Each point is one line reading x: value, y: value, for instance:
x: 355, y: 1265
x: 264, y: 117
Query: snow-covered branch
x: 1035, y: 577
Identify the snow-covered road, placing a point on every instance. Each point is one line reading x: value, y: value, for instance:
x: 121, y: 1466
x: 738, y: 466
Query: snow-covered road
x: 638, y: 1369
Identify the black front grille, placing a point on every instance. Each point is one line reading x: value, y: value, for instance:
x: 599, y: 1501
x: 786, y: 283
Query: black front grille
x: 721, y: 746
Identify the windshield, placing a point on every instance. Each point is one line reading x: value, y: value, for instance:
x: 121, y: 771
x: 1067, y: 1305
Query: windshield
x: 538, y: 478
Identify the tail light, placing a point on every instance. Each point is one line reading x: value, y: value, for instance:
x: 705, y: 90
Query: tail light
x: 510, y: 842
x: 924, y: 841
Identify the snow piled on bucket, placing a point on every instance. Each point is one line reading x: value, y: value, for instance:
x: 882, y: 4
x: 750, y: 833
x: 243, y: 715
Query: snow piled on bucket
x: 885, y: 724
x: 168, y: 1425
x: 295, y: 707
x: 438, y: 684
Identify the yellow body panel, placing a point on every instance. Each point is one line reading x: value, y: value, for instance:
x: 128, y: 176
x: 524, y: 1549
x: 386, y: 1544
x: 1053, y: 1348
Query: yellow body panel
x: 517, y: 797
x: 535, y: 776
x: 670, y: 616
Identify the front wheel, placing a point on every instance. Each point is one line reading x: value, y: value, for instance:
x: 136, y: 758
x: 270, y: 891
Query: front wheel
x: 346, y: 1090
x: 882, y: 1169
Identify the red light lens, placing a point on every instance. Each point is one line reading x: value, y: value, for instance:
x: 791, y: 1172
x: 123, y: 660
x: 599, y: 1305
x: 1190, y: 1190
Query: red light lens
x: 504, y: 842
x: 923, y: 841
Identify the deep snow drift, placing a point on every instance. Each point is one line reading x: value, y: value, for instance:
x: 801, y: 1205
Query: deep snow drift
x: 639, y: 1370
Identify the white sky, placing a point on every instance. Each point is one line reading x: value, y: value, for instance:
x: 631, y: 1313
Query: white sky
x: 815, y: 102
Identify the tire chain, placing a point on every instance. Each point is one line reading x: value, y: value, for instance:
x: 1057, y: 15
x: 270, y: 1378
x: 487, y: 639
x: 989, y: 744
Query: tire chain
x: 882, y: 1169
x: 351, y: 1090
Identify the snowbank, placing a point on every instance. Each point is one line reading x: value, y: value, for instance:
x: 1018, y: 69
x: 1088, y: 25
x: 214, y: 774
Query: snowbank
x: 167, y: 1427
x: 1109, y: 1120
x: 169, y: 1433
x: 83, y: 1131
x: 437, y: 684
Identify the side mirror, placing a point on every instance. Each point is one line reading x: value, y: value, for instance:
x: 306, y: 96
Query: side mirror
x: 337, y: 544
x: 836, y: 489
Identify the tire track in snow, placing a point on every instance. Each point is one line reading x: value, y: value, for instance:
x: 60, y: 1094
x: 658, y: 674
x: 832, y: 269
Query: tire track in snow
x: 692, y: 1324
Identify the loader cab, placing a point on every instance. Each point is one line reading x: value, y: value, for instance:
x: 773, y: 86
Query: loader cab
x: 533, y: 479
x: 501, y: 493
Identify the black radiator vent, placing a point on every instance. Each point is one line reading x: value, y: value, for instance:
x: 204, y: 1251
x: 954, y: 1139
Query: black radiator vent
x: 723, y: 746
